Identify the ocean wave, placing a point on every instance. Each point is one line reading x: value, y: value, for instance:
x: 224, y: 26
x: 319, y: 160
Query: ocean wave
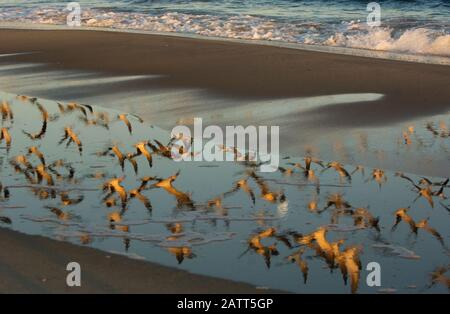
x: 418, y: 40
x: 427, y: 40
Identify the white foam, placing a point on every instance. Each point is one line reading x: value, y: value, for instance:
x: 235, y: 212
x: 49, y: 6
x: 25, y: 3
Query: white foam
x: 419, y: 40
x: 425, y: 41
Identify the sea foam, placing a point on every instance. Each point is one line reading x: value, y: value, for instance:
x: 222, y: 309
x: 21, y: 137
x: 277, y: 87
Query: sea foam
x: 392, y: 37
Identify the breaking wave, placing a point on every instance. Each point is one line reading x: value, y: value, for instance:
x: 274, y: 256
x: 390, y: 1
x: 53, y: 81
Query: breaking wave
x: 392, y: 36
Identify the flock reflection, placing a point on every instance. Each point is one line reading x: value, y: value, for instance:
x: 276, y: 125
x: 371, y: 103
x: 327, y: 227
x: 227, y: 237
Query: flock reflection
x: 53, y: 152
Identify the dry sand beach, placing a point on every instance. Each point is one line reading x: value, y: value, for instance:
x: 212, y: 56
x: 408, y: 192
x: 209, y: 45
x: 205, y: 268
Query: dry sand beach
x: 356, y: 110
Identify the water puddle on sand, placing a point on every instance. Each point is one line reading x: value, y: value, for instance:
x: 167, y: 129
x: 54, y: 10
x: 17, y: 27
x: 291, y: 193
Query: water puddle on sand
x: 281, y: 230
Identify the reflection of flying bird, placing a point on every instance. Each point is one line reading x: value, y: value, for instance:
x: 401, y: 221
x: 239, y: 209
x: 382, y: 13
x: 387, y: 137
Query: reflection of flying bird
x: 96, y: 175
x: 313, y: 205
x: 110, y: 202
x: 33, y: 150
x: 70, y: 107
x: 297, y: 258
x: 94, y: 122
x: 286, y: 171
x: 317, y: 240
x: 74, y: 106
x: 60, y: 163
x: 181, y: 253
x: 4, y: 135
x: 341, y: 207
x: 362, y: 216
x: 119, y: 155
x: 379, y: 176
x: 307, y: 171
x: 187, y: 140
x: 339, y: 169
x: 43, y: 130
x: 70, y: 136
x: 114, y: 186
x: 100, y: 119
x: 124, y: 118
x: 358, y: 168
x: 59, y: 213
x: 42, y: 174
x: 6, y: 112
x: 402, y: 214
x: 309, y: 160
x: 242, y: 184
x: 406, y: 138
x: 67, y: 201
x: 137, y: 194
x: 28, y: 172
x: 444, y: 129
x: 175, y: 227
x: 116, y: 152
x: 338, y: 212
x: 337, y: 200
x: 266, y: 193
x: 440, y: 192
x: 26, y: 98
x: 254, y: 243
x: 22, y: 160
x: 234, y: 150
x: 141, y: 149
x: 215, y: 202
x: 130, y: 158
x: 424, y: 190
x: 115, y: 218
x: 426, y: 193
x: 145, y: 181
x: 183, y: 199
x: 438, y: 276
x: 85, y: 239
x: 350, y: 265
x: 430, y: 127
x: 403, y: 176
x: 161, y: 149
x: 423, y: 224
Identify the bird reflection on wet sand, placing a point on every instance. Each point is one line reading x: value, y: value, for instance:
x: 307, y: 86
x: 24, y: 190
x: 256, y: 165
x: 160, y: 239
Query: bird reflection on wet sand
x: 308, y: 212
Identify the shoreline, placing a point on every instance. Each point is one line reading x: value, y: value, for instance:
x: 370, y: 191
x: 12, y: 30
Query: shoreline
x: 38, y: 265
x: 339, y: 50
x: 235, y: 70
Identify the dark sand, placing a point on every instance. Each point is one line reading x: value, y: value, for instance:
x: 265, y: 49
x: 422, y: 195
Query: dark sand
x: 226, y: 76
x: 235, y: 70
x: 34, y: 264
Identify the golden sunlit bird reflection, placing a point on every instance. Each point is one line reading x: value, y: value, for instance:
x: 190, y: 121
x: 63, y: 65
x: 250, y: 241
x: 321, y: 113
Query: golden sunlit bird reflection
x: 5, y: 136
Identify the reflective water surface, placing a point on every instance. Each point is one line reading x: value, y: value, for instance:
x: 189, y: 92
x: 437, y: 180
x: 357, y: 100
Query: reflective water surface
x: 102, y: 178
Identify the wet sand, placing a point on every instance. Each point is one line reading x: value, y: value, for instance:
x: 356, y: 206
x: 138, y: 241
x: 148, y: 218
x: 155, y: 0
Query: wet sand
x: 165, y: 79
x: 234, y: 70
x: 231, y: 71
x: 34, y: 264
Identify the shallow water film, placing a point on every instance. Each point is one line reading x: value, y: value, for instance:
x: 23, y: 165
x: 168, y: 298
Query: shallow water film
x: 106, y: 179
